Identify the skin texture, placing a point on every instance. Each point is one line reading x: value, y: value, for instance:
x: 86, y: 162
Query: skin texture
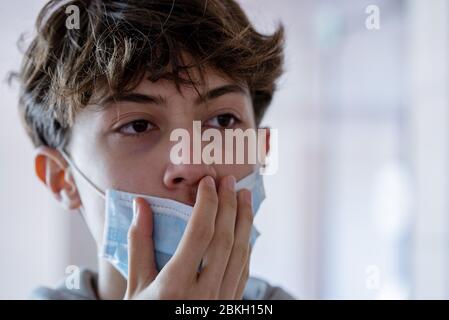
x: 105, y: 146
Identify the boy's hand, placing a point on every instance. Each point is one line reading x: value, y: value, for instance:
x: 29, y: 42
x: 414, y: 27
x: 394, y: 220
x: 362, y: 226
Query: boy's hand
x: 218, y: 233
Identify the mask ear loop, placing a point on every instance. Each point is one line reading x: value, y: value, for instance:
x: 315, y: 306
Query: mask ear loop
x: 74, y: 166
x: 90, y: 183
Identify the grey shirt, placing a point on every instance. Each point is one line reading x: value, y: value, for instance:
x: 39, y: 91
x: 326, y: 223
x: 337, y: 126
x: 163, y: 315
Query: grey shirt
x: 256, y: 289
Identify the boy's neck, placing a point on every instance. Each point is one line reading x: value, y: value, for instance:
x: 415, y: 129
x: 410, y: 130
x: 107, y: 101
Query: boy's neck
x: 111, y: 284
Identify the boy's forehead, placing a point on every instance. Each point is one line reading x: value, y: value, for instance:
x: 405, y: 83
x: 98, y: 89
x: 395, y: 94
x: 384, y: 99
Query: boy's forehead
x: 160, y: 92
x: 195, y: 82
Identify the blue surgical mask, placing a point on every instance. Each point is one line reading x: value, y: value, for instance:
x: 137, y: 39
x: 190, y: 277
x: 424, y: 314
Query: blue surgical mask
x: 170, y: 219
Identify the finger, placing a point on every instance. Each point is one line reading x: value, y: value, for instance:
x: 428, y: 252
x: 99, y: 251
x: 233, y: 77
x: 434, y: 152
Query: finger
x: 199, y: 230
x: 141, y: 261
x: 217, y: 254
x: 243, y: 279
x: 239, y: 254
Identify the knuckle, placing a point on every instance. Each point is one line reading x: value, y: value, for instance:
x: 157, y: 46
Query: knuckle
x: 133, y: 233
x: 205, y: 234
x: 210, y: 198
x: 230, y: 199
x: 226, y: 240
x: 232, y: 204
x: 241, y: 251
x: 248, y: 216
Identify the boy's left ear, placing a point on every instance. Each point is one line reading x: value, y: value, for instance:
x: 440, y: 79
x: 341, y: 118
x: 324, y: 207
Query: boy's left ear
x: 267, y: 141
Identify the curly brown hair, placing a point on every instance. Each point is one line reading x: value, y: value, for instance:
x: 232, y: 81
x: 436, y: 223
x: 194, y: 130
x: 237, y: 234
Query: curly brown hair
x: 120, y: 41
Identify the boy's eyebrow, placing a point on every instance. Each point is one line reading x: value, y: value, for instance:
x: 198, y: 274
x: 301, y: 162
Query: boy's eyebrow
x: 134, y: 97
x: 220, y: 91
x: 161, y: 101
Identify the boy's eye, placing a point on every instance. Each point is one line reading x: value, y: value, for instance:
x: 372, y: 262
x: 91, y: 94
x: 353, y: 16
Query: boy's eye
x: 223, y: 121
x: 137, y: 127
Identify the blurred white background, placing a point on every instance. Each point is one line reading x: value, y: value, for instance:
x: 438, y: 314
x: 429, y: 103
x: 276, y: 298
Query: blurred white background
x: 358, y: 208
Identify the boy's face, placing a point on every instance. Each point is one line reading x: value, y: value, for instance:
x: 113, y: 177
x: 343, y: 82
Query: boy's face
x: 125, y: 144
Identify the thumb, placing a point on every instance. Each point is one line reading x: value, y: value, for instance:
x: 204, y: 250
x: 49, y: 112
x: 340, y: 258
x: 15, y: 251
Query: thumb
x: 141, y: 260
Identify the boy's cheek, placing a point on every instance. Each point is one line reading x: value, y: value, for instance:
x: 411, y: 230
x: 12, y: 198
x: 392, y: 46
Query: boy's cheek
x: 93, y: 211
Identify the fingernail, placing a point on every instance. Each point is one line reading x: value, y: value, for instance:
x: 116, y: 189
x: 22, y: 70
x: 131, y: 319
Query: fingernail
x: 230, y: 183
x: 209, y: 181
x: 247, y: 196
x: 135, y: 211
